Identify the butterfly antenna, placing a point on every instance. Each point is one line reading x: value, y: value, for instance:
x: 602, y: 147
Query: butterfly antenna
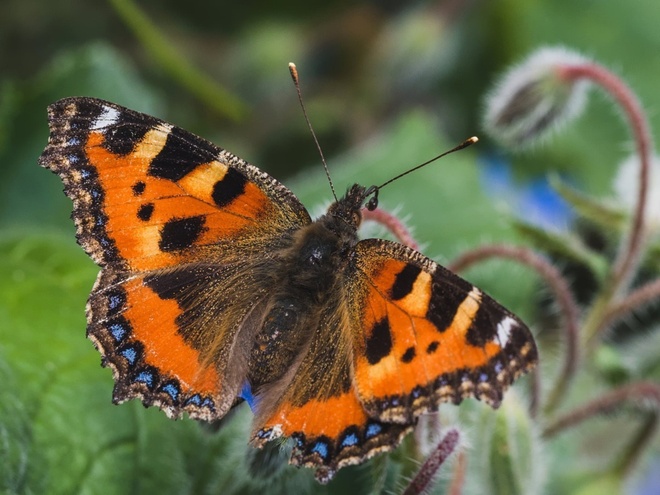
x: 372, y: 204
x: 294, y: 76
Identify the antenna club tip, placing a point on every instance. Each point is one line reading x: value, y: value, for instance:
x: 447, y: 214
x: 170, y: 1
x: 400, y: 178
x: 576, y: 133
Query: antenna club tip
x: 473, y: 139
x: 294, y: 71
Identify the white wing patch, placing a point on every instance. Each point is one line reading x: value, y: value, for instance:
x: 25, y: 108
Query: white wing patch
x: 504, y: 330
x: 108, y: 117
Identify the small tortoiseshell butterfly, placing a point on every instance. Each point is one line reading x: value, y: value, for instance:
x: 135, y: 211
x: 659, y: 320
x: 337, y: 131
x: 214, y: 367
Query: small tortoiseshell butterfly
x: 216, y: 287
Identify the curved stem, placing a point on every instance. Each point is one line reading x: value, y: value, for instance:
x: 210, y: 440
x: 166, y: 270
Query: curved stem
x: 631, y: 248
x: 632, y: 301
x: 638, y: 444
x: 647, y: 392
x: 563, y: 296
x: 393, y: 224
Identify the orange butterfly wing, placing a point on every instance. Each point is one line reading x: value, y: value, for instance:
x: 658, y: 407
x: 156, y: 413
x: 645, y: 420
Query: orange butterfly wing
x: 422, y: 335
x: 174, y: 221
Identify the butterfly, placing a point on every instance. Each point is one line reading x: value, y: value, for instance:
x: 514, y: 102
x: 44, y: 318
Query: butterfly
x: 216, y: 288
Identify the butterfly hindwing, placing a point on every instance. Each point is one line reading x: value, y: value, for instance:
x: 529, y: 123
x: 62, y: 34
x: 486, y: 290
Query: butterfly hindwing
x: 424, y: 335
x: 320, y: 409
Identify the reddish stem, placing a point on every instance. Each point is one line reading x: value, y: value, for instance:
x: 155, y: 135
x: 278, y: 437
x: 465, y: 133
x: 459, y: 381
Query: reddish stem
x: 646, y: 392
x: 393, y: 224
x: 564, y: 298
x: 629, y: 254
x: 632, y: 301
x: 426, y: 473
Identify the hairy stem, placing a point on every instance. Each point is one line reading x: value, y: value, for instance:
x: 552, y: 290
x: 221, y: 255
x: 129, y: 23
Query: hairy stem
x: 424, y: 477
x: 393, y: 224
x: 630, y: 252
x: 639, y: 443
x: 636, y: 299
x: 646, y: 393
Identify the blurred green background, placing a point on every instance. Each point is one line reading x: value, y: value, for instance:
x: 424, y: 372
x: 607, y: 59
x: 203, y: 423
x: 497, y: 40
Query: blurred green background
x: 387, y: 85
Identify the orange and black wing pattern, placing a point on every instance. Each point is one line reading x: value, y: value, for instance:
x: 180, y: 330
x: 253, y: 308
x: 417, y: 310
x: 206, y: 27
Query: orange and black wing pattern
x: 174, y: 221
x: 422, y: 335
x: 320, y: 409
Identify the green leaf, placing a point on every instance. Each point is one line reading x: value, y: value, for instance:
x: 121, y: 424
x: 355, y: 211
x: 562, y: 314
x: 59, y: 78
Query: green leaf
x: 28, y: 193
x: 508, y: 450
x: 564, y: 245
x: 600, y: 213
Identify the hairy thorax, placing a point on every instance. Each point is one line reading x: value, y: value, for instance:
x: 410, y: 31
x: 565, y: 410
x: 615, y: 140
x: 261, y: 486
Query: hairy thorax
x: 308, y: 272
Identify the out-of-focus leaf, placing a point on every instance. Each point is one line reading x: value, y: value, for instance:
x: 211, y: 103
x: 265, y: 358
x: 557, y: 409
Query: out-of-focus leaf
x: 592, y: 209
x: 29, y: 194
x: 564, y: 245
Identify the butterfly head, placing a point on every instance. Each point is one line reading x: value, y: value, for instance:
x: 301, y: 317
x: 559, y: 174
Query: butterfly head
x: 347, y: 209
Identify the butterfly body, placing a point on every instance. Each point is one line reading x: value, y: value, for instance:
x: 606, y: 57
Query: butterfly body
x: 216, y: 287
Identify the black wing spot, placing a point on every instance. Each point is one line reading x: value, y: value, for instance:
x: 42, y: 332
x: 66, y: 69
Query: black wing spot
x: 445, y: 301
x: 432, y: 347
x: 145, y: 211
x: 482, y: 330
x: 379, y: 343
x: 409, y: 355
x: 138, y: 188
x: 403, y: 284
x: 181, y: 233
x: 229, y: 188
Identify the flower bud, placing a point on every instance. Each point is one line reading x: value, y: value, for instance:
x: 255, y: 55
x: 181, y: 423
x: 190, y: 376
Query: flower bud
x: 535, y: 97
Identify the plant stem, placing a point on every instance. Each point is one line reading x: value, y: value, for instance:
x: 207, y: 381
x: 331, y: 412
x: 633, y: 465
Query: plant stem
x: 638, y: 444
x: 643, y: 392
x: 393, y: 224
x: 179, y: 67
x: 422, y: 480
x: 630, y: 251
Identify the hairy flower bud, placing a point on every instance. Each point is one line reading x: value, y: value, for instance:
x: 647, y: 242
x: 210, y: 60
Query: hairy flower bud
x: 535, y: 97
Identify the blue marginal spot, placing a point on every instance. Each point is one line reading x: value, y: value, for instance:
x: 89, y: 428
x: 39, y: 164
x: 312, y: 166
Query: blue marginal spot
x: 350, y: 440
x: 207, y: 402
x: 483, y: 377
x: 115, y: 300
x: 145, y: 377
x: 172, y: 390
x: 373, y: 429
x: 321, y: 448
x: 118, y: 331
x: 195, y: 400
x: 130, y: 353
x: 247, y: 396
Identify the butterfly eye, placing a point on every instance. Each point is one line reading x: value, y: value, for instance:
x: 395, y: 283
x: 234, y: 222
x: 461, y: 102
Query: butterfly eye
x: 357, y: 218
